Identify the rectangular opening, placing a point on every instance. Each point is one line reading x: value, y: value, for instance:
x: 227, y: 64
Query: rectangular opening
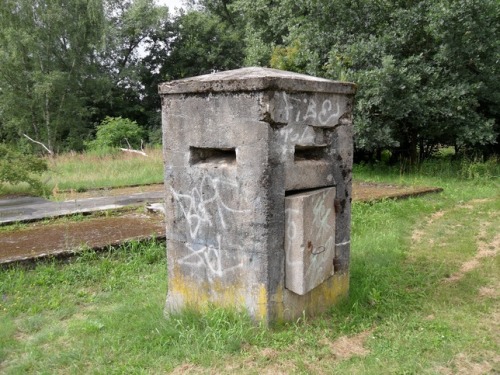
x: 300, y: 191
x: 302, y: 153
x: 201, y: 155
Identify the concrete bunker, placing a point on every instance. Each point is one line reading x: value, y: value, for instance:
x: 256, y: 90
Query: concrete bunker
x: 258, y: 189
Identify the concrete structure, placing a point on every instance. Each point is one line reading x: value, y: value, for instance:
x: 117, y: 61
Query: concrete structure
x: 258, y: 190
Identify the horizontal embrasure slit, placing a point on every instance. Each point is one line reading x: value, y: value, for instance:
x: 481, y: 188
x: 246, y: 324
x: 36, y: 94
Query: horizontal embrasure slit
x: 302, y: 153
x: 205, y: 155
x: 298, y: 191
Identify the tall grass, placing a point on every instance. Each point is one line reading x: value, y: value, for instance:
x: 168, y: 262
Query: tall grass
x: 444, y: 168
x: 93, y: 170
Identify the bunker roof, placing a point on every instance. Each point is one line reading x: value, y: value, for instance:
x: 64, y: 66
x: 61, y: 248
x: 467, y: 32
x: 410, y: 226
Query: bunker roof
x: 255, y: 79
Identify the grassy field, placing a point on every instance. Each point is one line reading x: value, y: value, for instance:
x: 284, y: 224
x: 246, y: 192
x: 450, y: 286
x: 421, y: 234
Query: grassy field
x: 85, y: 171
x: 424, y: 299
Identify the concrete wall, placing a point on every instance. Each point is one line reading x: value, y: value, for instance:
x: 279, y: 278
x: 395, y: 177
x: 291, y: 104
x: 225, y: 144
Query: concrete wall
x: 235, y: 144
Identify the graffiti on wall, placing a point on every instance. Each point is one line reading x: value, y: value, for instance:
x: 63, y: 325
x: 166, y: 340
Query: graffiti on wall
x: 323, y: 112
x: 203, y: 208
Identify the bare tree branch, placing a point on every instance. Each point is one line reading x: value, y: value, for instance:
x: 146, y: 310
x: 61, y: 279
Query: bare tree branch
x: 134, y: 151
x: 128, y: 143
x: 40, y: 143
x: 130, y: 149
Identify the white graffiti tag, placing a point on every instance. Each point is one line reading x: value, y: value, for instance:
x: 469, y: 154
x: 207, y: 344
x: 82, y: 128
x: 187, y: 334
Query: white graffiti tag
x: 208, y: 257
x: 204, y: 204
x: 290, y: 137
x: 296, y: 110
x: 321, y: 215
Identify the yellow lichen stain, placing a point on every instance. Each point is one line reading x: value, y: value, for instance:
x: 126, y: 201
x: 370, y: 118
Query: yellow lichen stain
x: 261, y: 313
x: 283, y: 305
x: 202, y: 295
x: 317, y: 300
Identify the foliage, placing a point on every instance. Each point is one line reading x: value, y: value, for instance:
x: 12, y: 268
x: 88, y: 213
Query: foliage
x: 130, y: 29
x: 46, y: 71
x: 195, y: 43
x: 117, y: 132
x: 427, y: 71
x: 16, y: 168
x: 59, y: 78
x: 410, y: 94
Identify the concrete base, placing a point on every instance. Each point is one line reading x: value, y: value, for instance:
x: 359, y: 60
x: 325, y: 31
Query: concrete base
x: 283, y: 305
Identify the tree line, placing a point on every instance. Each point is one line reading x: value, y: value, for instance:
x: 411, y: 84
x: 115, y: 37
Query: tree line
x: 427, y: 70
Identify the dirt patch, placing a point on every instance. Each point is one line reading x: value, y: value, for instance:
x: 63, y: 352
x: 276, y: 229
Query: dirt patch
x: 370, y: 191
x: 417, y: 235
x: 484, y: 250
x: 463, y: 365
x: 435, y: 216
x: 489, y: 291
x: 346, y: 347
x: 40, y: 240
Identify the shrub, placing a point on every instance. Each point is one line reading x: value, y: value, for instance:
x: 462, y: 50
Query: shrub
x: 16, y: 167
x: 117, y: 132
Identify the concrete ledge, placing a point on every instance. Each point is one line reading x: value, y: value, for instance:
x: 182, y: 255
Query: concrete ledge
x: 255, y: 79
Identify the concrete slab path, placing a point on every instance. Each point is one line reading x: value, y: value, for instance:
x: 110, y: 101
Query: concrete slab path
x: 38, y: 240
x: 29, y: 208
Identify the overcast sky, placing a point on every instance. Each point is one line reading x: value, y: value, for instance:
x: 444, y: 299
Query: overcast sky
x: 172, y: 4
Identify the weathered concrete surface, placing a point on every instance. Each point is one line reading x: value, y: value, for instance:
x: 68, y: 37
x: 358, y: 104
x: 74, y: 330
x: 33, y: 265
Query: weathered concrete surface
x: 28, y: 208
x: 38, y: 240
x: 309, y: 239
x: 256, y: 79
x: 235, y: 143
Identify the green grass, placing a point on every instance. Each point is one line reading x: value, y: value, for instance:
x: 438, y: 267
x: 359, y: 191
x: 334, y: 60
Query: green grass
x: 85, y: 171
x: 417, y: 311
x: 90, y: 171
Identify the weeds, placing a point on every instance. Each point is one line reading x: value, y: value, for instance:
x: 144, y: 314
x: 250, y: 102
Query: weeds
x: 444, y: 167
x: 93, y: 170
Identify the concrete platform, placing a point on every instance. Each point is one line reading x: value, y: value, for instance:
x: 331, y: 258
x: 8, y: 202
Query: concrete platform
x: 23, y: 209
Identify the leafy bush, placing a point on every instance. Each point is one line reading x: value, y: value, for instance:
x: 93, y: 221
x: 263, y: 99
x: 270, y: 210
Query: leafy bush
x: 117, y: 132
x: 16, y: 168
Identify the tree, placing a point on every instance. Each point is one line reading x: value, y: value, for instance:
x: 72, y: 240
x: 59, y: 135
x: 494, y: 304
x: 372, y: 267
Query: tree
x: 192, y: 43
x: 67, y: 64
x: 427, y: 71
x: 413, y: 96
x: 130, y: 27
x: 200, y: 43
x: 44, y: 67
x: 117, y: 132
